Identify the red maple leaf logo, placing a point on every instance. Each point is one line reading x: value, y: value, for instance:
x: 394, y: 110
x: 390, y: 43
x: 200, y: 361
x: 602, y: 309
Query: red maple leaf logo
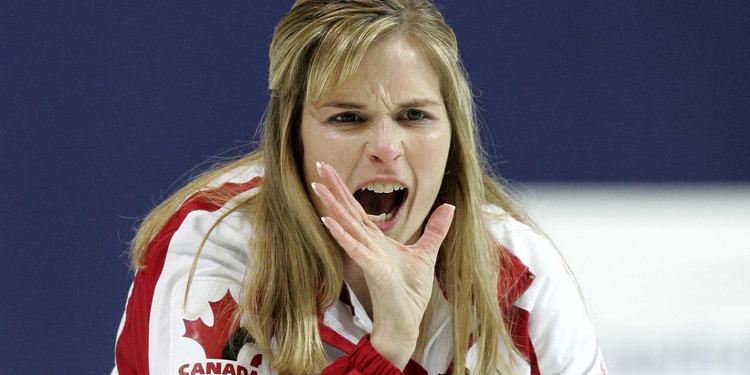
x: 213, y: 338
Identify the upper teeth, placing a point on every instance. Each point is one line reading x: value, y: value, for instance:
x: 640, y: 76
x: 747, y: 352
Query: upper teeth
x: 383, y: 187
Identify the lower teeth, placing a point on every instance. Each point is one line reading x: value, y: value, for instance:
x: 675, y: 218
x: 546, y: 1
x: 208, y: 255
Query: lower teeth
x: 380, y: 218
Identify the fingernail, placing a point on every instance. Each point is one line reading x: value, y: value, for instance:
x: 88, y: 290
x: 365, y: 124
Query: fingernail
x: 314, y: 187
x: 318, y: 165
x: 323, y: 219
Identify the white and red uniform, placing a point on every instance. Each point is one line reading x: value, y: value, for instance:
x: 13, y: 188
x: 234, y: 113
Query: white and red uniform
x: 162, y: 332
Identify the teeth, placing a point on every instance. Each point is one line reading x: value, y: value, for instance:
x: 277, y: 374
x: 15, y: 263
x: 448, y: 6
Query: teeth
x: 383, y: 187
x: 379, y: 218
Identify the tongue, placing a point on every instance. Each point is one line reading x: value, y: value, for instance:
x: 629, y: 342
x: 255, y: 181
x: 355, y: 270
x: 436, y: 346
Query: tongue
x: 376, y: 203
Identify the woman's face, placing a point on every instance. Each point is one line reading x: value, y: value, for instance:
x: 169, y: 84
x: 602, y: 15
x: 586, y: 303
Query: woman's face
x: 386, y: 132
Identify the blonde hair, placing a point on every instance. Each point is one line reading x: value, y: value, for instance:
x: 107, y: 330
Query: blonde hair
x: 295, y: 271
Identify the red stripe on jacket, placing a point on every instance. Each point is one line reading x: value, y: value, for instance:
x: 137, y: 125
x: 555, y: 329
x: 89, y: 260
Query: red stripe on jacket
x: 512, y: 282
x: 510, y: 286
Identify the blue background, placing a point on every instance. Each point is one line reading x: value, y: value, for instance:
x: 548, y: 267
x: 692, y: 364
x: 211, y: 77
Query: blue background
x: 106, y: 107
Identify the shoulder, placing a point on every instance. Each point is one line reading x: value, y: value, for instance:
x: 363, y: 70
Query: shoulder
x: 557, y: 324
x: 530, y: 246
x: 238, y: 175
x: 217, y: 200
x: 208, y: 221
x: 552, y: 279
x: 207, y: 230
x: 207, y: 237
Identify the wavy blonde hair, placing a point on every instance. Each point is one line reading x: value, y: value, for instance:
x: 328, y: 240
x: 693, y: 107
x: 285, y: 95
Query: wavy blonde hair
x: 295, y: 272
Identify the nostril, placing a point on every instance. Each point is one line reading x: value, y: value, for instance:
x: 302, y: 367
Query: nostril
x: 384, y: 156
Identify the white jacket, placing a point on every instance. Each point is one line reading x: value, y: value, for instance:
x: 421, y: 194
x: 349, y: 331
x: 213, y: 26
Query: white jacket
x: 162, y: 333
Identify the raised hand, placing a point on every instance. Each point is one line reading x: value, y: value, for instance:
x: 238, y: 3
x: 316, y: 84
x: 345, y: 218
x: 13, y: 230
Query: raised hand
x: 399, y: 277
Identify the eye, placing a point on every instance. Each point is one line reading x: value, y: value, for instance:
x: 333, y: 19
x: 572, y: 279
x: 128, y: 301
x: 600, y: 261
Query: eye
x: 346, y: 117
x: 414, y: 115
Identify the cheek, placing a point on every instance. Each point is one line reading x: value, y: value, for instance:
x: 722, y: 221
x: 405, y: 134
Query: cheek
x: 326, y: 145
x: 432, y: 154
x: 428, y: 162
x: 308, y: 147
x: 314, y: 139
x: 311, y: 152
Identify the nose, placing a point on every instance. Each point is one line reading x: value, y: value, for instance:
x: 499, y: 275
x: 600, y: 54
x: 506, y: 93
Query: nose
x: 385, y: 144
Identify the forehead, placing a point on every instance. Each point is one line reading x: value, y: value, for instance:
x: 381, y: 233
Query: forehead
x: 393, y: 66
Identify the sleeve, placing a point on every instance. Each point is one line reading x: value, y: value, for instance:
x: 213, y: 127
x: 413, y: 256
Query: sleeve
x: 365, y: 360
x: 562, y: 336
x: 165, y: 330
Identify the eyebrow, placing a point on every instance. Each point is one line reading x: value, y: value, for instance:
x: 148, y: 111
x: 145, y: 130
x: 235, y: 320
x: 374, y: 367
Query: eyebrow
x: 346, y: 105
x: 412, y: 103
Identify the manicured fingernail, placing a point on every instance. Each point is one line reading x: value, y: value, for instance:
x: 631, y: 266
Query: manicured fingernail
x: 318, y: 165
x: 323, y: 219
x: 314, y: 187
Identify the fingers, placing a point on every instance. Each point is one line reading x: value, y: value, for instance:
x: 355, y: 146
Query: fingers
x: 436, y: 228
x: 354, y: 248
x: 343, y: 216
x: 338, y: 188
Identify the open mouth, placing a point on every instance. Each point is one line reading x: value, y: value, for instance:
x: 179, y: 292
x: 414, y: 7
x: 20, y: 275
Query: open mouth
x: 381, y: 201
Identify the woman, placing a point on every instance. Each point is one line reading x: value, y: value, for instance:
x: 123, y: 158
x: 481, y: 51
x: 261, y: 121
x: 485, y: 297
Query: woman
x: 364, y: 235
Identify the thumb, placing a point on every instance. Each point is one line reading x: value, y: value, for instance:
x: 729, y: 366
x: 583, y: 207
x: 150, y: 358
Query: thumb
x: 437, y: 227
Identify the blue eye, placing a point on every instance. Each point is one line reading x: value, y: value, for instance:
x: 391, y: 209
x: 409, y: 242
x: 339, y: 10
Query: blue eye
x: 346, y: 117
x: 414, y: 115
